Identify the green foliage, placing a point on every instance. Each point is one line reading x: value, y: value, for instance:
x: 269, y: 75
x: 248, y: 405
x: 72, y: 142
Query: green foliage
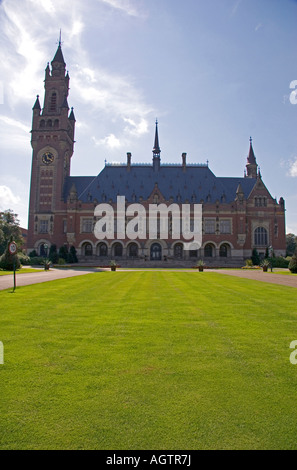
x: 73, y: 255
x: 9, y: 230
x: 37, y: 261
x: 279, y: 262
x: 24, y: 259
x: 53, y: 254
x: 63, y: 252
x: 33, y: 254
x: 291, y: 240
x: 255, y: 257
x: 248, y: 262
x: 293, y: 263
x: 8, y: 261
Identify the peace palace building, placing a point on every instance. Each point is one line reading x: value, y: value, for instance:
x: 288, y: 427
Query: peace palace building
x: 239, y: 214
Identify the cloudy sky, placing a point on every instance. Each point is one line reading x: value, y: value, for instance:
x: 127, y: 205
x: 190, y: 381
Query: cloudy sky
x: 214, y: 73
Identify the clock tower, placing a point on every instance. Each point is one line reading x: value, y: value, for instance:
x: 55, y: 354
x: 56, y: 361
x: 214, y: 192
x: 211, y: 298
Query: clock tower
x: 52, y: 140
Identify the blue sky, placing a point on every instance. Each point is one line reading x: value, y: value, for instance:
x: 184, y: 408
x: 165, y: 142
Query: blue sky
x: 214, y: 73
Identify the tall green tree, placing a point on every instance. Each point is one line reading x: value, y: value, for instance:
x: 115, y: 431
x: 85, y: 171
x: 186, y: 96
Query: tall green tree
x: 9, y: 229
x: 291, y: 240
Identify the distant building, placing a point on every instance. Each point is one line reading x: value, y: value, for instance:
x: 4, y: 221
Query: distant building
x: 239, y: 213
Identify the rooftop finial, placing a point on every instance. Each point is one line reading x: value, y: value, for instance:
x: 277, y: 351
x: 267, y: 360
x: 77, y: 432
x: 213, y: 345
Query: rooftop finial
x: 60, y: 38
x: 156, y: 149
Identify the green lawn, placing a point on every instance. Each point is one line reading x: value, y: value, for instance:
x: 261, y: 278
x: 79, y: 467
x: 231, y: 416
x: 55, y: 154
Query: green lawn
x: 148, y: 360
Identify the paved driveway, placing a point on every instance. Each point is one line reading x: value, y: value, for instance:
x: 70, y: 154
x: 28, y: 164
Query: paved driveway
x: 274, y: 277
x: 6, y: 282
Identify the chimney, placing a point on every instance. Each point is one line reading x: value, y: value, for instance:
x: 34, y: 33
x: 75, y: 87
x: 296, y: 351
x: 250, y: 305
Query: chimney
x: 184, y: 157
x: 129, y: 155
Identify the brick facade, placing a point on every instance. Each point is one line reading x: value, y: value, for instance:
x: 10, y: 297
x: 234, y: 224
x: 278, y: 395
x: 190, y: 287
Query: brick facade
x: 239, y: 214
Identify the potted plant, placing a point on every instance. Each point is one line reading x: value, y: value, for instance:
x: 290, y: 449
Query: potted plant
x: 265, y: 264
x: 46, y: 263
x: 200, y: 265
x: 113, y: 265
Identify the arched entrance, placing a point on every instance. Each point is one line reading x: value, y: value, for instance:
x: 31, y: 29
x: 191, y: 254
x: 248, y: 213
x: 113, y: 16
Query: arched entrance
x: 156, y: 252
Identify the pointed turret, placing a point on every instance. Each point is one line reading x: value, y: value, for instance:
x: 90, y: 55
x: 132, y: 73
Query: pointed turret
x: 251, y: 166
x: 37, y: 104
x: 156, y: 150
x: 71, y: 116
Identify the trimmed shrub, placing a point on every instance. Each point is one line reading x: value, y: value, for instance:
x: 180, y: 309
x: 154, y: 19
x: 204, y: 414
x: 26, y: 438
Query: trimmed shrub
x: 6, y: 261
x: 293, y: 263
x: 73, y: 255
x: 63, y: 252
x: 33, y: 254
x: 37, y: 261
x: 279, y: 262
x: 53, y: 254
x: 24, y: 259
x: 255, y: 257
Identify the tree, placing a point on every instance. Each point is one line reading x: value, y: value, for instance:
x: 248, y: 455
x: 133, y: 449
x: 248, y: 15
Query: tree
x: 255, y: 257
x: 53, y: 254
x: 8, y: 261
x: 293, y: 263
x: 63, y: 252
x: 9, y: 230
x: 291, y: 240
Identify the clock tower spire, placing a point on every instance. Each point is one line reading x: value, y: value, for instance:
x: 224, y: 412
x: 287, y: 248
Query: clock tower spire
x: 52, y: 140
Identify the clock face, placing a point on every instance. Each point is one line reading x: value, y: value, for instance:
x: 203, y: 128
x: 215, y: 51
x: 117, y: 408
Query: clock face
x: 48, y: 158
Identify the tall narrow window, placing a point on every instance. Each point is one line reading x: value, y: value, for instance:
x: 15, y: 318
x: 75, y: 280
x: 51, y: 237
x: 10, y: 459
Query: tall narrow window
x: 53, y: 102
x: 260, y: 237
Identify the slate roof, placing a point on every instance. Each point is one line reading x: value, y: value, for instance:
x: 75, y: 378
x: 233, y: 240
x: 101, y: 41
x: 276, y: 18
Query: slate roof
x: 193, y: 185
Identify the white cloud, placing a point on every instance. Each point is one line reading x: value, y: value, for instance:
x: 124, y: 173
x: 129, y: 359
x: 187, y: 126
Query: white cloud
x: 124, y: 5
x: 14, y: 123
x: 235, y: 7
x: 7, y: 198
x: 293, y: 168
x: 111, y: 141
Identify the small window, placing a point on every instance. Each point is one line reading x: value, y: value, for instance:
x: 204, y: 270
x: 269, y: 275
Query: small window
x: 209, y: 226
x: 87, y: 226
x: 225, y: 226
x: 43, y: 226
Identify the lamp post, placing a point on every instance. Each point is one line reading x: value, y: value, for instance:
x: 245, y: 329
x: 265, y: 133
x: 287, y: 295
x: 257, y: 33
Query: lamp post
x: 45, y: 246
x: 270, y: 255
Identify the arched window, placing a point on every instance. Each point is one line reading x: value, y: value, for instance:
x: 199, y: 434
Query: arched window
x: 56, y: 123
x: 224, y: 250
x: 178, y: 251
x: 43, y: 250
x: 49, y: 123
x: 156, y: 252
x: 118, y: 250
x: 53, y: 102
x: 88, y: 249
x: 260, y: 237
x: 133, y: 250
x: 103, y: 250
x: 208, y: 251
x: 42, y: 123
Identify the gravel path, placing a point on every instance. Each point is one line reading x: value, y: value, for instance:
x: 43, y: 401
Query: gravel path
x: 274, y: 277
x: 6, y: 282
